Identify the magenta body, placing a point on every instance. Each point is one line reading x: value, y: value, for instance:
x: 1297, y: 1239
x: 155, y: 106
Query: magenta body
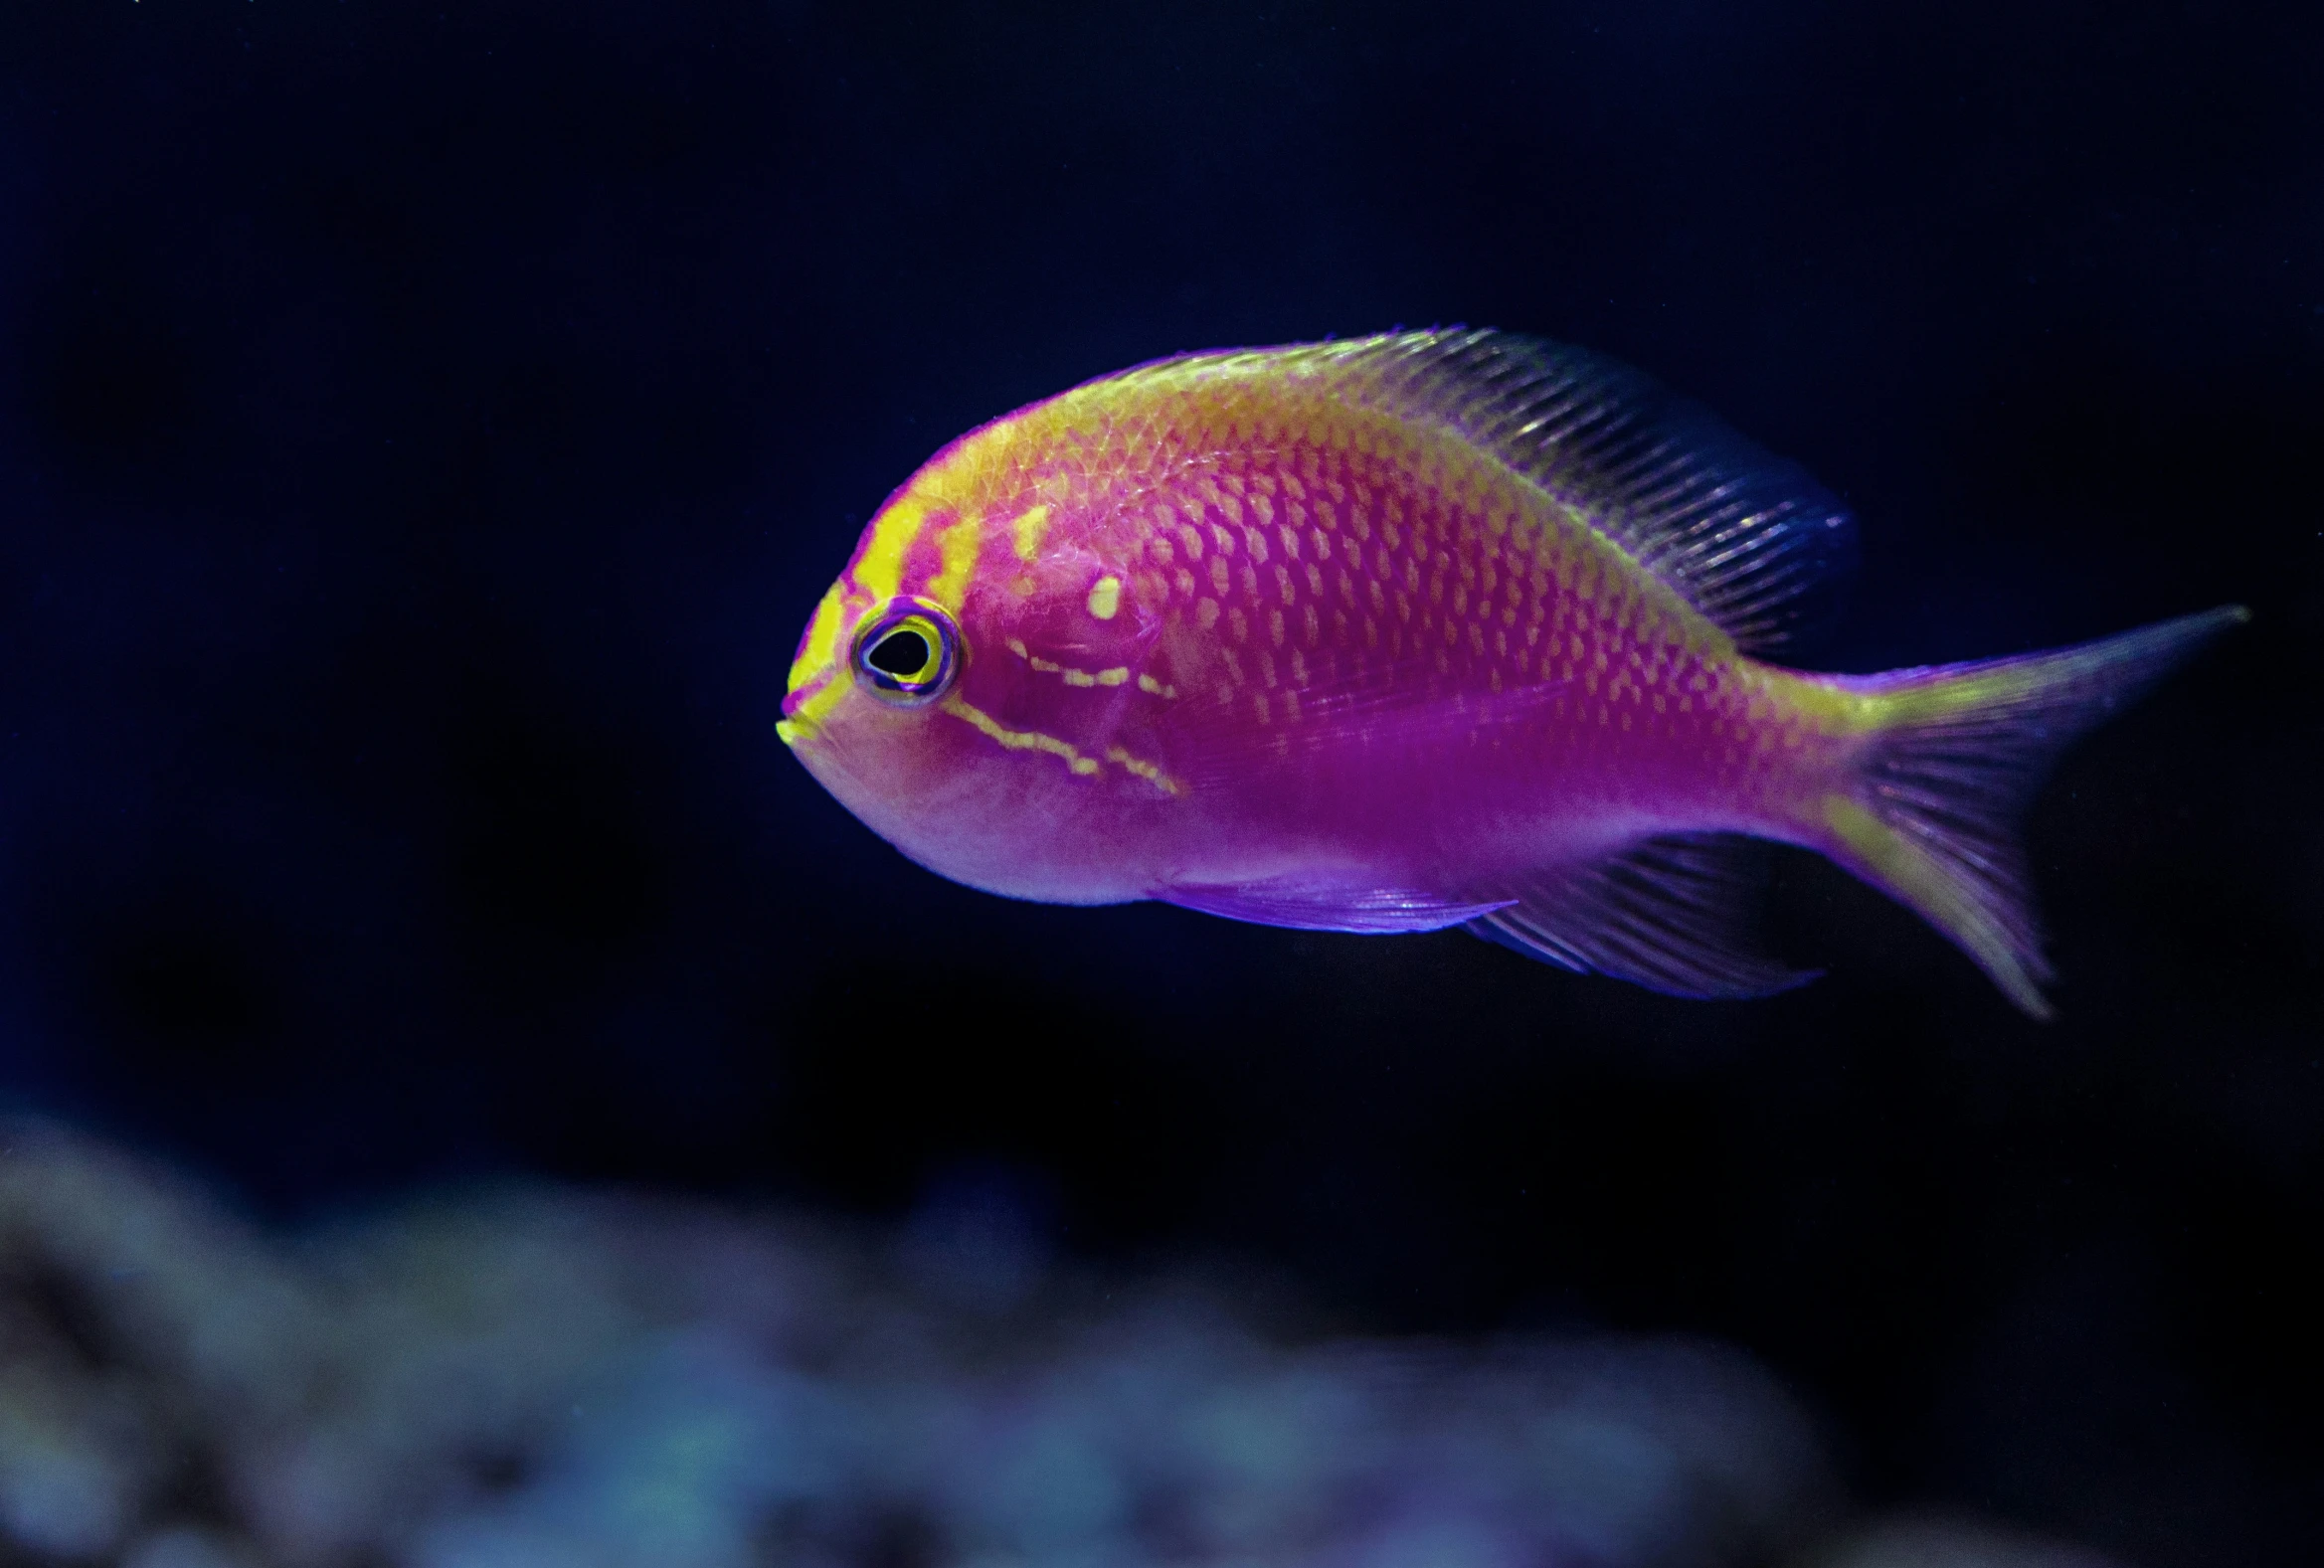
x: 1257, y: 630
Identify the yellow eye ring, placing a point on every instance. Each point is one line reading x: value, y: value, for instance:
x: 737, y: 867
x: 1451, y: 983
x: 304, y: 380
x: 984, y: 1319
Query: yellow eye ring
x: 909, y: 653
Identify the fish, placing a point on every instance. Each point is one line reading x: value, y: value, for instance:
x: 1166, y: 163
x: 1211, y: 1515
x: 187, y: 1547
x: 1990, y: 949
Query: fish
x: 1430, y: 629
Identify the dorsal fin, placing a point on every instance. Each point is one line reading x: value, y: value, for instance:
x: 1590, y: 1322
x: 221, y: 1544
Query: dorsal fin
x: 1749, y: 539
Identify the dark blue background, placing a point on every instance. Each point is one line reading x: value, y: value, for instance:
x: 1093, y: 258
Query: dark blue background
x: 422, y: 436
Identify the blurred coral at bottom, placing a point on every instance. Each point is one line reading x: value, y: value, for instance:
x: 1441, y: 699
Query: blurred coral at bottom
x: 530, y: 1376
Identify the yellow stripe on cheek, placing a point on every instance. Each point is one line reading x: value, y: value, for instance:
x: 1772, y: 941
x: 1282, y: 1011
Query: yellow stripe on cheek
x: 1065, y: 751
x: 1020, y: 740
x: 1143, y: 770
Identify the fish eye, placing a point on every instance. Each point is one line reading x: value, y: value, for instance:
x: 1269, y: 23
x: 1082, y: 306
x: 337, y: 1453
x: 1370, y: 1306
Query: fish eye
x: 908, y: 653
x: 903, y: 653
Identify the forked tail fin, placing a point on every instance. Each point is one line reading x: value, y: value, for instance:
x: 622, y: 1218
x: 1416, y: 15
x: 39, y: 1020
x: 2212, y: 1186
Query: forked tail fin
x: 1960, y: 751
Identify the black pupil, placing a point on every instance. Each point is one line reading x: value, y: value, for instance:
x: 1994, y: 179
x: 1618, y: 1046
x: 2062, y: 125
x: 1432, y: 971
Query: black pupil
x: 900, y: 653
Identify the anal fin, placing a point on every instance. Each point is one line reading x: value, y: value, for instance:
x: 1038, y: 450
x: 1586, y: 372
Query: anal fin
x: 1668, y: 913
x: 1319, y: 906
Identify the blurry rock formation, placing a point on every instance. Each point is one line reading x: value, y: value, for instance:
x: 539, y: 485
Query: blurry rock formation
x: 532, y: 1377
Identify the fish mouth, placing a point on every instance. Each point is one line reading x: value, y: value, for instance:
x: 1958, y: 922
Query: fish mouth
x: 797, y: 724
x: 805, y: 705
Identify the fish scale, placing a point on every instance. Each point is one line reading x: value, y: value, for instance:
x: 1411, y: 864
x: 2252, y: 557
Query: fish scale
x: 1582, y: 622
x: 1411, y: 632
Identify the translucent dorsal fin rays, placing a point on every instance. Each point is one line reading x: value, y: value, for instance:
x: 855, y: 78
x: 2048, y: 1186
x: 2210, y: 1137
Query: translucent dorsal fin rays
x: 1662, y: 477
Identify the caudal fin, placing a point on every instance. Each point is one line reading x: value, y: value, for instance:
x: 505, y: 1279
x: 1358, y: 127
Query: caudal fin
x: 1960, y: 751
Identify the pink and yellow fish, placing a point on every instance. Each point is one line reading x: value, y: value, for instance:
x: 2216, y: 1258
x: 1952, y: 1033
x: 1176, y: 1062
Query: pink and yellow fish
x: 1411, y: 631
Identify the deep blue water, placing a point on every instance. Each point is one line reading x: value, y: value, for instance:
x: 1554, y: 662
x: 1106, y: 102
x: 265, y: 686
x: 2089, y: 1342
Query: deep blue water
x: 422, y: 437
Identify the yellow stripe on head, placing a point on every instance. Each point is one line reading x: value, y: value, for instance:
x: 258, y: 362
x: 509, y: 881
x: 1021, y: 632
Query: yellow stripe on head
x: 822, y: 642
x: 1025, y: 533
x: 874, y: 577
x: 877, y: 572
x: 959, y: 544
x: 892, y: 560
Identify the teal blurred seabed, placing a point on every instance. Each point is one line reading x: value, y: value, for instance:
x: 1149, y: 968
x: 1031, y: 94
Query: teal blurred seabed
x: 534, y: 1376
